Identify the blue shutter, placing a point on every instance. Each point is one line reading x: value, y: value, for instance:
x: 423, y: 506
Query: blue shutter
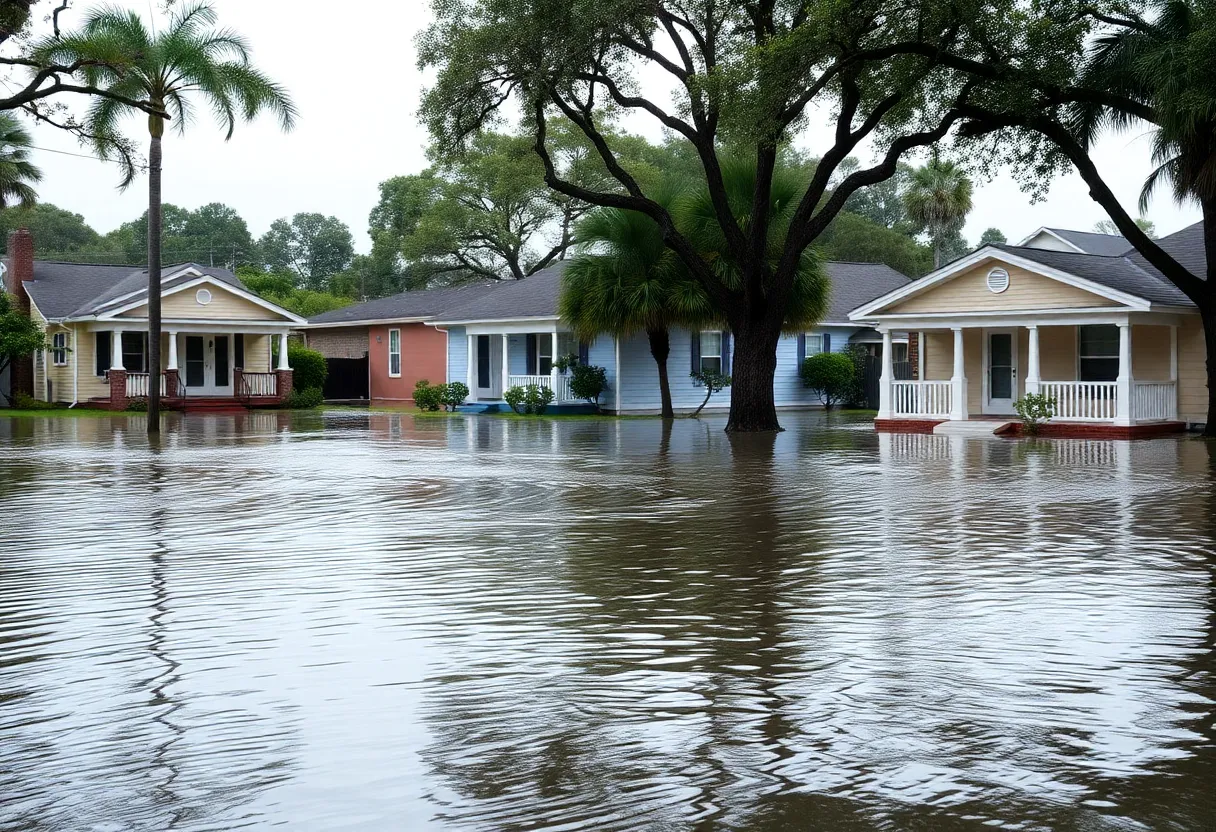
x: 695, y: 350
x: 530, y: 346
x: 827, y: 342
x: 801, y: 349
x: 726, y: 352
x: 584, y: 353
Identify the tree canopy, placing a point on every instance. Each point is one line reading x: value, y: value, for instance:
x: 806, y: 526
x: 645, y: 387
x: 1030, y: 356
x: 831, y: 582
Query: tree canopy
x: 313, y: 247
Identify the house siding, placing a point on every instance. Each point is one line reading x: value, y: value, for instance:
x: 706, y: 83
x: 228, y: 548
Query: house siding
x: 423, y: 356
x: 969, y: 292
x: 224, y: 306
x: 1192, y: 371
x: 1150, y: 353
x: 340, y: 342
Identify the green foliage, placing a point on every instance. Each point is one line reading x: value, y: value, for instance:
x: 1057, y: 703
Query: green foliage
x: 17, y: 172
x: 214, y: 234
x: 832, y: 375
x: 712, y: 381
x: 21, y: 401
x: 854, y: 238
x: 1034, y: 409
x: 856, y: 396
x: 564, y: 362
x: 1143, y: 223
x: 56, y: 232
x: 429, y: 396
x: 992, y: 235
x: 531, y: 400
x: 938, y: 200
x: 588, y: 382
x: 280, y: 289
x: 309, y: 369
x: 304, y: 399
x: 882, y: 203
x: 139, y: 405
x: 454, y: 394
x: 20, y: 336
x: 312, y: 247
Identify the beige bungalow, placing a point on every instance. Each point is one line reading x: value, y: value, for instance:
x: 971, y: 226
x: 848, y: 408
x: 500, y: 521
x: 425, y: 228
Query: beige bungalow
x: 1077, y: 316
x: 216, y: 342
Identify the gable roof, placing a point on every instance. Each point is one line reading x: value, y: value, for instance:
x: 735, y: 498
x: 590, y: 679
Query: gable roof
x: 416, y: 304
x: 73, y: 290
x: 533, y: 297
x: 1122, y: 274
x: 1089, y: 242
x: 856, y: 283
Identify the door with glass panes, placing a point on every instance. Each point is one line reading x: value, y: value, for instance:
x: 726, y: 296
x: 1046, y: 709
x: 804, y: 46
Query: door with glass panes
x: 1000, y: 370
x: 207, y: 369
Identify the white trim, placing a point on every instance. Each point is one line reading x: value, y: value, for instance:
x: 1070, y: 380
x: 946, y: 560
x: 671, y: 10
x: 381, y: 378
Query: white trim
x: 1049, y: 232
x: 926, y: 283
x: 55, y: 362
x: 986, y: 406
x: 369, y: 322
x: 391, y: 374
x: 1077, y: 317
x: 219, y: 284
x: 144, y: 290
x: 617, y: 347
x: 198, y: 325
x: 484, y: 323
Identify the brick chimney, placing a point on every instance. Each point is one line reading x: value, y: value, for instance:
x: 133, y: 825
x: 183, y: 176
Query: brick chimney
x: 20, y: 262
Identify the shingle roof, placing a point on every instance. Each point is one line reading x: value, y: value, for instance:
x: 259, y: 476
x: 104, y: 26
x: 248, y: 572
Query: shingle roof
x: 421, y: 303
x: 65, y: 290
x: 1185, y: 246
x: 1091, y: 242
x: 532, y: 297
x: 855, y: 284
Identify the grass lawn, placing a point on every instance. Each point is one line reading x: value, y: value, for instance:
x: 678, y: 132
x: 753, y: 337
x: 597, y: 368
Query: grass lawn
x: 58, y: 413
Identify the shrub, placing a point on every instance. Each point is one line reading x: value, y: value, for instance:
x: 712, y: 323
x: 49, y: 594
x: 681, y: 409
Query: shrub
x: 531, y: 400
x: 429, y: 396
x: 304, y: 399
x: 454, y: 394
x: 1034, y: 409
x: 588, y: 382
x: 856, y: 396
x: 309, y: 369
x: 24, y: 402
x: 139, y: 405
x: 565, y: 362
x: 713, y: 382
x: 831, y: 375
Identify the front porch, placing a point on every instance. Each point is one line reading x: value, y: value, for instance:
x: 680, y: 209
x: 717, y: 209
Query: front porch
x: 1115, y: 374
x: 511, y: 356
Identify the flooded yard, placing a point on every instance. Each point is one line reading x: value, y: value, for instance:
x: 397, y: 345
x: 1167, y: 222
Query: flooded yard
x: 370, y: 622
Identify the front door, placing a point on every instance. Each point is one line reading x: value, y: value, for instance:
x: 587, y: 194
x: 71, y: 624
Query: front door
x: 208, y: 365
x: 1001, y: 370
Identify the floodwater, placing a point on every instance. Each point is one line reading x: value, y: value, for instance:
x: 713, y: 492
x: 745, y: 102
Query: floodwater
x: 376, y: 622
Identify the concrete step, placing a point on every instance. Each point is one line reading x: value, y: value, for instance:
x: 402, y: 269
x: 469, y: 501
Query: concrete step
x: 978, y: 427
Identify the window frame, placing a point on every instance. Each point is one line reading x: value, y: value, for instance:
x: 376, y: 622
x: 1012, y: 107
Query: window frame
x: 394, y: 353
x: 814, y: 343
x: 59, y: 349
x: 712, y: 355
x: 143, y: 351
x: 1082, y: 358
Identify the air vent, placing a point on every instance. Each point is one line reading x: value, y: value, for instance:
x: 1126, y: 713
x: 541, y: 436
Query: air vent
x: 998, y: 280
x: 203, y: 296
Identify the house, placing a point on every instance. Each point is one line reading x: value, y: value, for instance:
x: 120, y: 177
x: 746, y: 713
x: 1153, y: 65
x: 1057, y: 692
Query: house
x: 509, y: 335
x: 216, y: 345
x: 1079, y: 317
x: 380, y: 349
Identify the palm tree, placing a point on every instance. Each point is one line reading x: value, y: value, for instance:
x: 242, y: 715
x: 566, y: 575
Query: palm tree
x: 625, y: 280
x: 165, y: 70
x: 16, y: 170
x: 938, y: 199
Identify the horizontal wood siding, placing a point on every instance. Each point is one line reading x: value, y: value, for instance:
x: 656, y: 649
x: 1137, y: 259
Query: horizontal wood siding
x: 1150, y: 353
x: 224, y: 306
x: 968, y: 292
x: 1057, y: 353
x: 1192, y: 371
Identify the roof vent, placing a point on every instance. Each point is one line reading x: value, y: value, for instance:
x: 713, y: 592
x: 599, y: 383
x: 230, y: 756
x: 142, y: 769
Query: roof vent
x: 998, y: 281
x: 203, y: 296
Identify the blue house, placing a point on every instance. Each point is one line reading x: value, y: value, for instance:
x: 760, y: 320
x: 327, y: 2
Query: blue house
x: 510, y: 336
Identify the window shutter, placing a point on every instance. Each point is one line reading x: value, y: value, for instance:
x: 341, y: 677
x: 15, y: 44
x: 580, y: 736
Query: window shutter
x: 827, y: 342
x: 801, y: 349
x: 584, y: 353
x: 726, y: 352
x: 695, y: 350
x: 101, y: 352
x: 238, y: 350
x: 530, y: 346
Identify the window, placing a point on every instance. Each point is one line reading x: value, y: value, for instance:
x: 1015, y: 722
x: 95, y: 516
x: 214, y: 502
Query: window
x: 59, y: 348
x: 814, y: 344
x: 101, y: 353
x: 394, y: 353
x: 1098, y: 352
x: 899, y: 353
x: 238, y: 351
x: 544, y: 357
x: 711, y: 351
x: 567, y: 344
x: 134, y: 352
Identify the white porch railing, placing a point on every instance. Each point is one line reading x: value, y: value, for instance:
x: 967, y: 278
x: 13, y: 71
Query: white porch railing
x: 921, y: 398
x: 563, y: 389
x: 1082, y: 401
x: 524, y: 381
x: 1154, y: 401
x: 259, y: 384
x: 137, y: 385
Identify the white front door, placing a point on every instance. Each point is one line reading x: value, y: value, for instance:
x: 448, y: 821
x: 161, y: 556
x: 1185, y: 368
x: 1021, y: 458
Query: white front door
x: 1000, y: 370
x: 207, y: 370
x: 488, y: 358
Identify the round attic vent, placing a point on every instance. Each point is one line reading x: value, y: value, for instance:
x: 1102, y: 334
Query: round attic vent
x: 998, y: 280
x: 203, y: 296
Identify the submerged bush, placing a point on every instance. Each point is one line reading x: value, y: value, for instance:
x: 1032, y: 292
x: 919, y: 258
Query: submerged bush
x: 454, y: 394
x: 588, y: 382
x: 429, y: 396
x: 1034, y: 409
x: 831, y: 375
x: 304, y: 399
x: 531, y: 400
x: 308, y: 367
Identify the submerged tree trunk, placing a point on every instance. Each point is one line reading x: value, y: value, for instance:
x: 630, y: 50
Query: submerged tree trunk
x: 154, y: 224
x: 1207, y: 309
x: 754, y: 368
x: 660, y: 348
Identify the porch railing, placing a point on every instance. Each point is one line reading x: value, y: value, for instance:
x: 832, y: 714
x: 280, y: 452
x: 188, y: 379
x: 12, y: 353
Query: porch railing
x: 1154, y: 401
x: 259, y: 384
x: 1082, y: 401
x: 137, y: 385
x: 524, y: 381
x: 922, y: 398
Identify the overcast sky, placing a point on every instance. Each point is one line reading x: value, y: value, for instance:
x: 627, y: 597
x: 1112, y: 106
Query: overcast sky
x: 358, y: 126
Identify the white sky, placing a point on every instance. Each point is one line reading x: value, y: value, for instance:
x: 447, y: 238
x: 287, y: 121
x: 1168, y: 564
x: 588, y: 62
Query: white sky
x: 358, y: 126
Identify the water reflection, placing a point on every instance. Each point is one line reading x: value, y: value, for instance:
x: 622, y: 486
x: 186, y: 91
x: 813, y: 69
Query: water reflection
x: 376, y: 620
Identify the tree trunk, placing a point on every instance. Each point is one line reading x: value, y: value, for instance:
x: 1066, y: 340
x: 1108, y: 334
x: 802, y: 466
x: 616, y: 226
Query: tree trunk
x: 752, y: 405
x: 1207, y: 310
x: 154, y: 223
x: 660, y: 348
x: 937, y: 254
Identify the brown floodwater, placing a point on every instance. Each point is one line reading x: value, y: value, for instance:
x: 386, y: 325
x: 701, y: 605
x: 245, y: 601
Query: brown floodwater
x: 374, y: 622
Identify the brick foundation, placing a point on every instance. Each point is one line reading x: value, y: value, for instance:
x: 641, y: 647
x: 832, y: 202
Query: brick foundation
x: 118, y: 389
x: 283, y: 378
x: 172, y: 384
x: 907, y: 425
x: 1089, y: 430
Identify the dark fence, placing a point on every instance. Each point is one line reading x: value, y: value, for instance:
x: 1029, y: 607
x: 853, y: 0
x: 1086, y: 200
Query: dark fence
x: 347, y: 378
x: 872, y: 372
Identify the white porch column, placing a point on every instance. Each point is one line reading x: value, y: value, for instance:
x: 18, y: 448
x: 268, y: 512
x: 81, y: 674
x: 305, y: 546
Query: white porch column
x: 958, y: 381
x: 1123, y: 383
x: 471, y: 370
x: 1032, y: 360
x: 552, y: 366
x: 884, y: 380
x: 116, y: 350
x: 172, y: 351
x: 283, y: 364
x: 506, y: 363
x: 1174, y: 371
